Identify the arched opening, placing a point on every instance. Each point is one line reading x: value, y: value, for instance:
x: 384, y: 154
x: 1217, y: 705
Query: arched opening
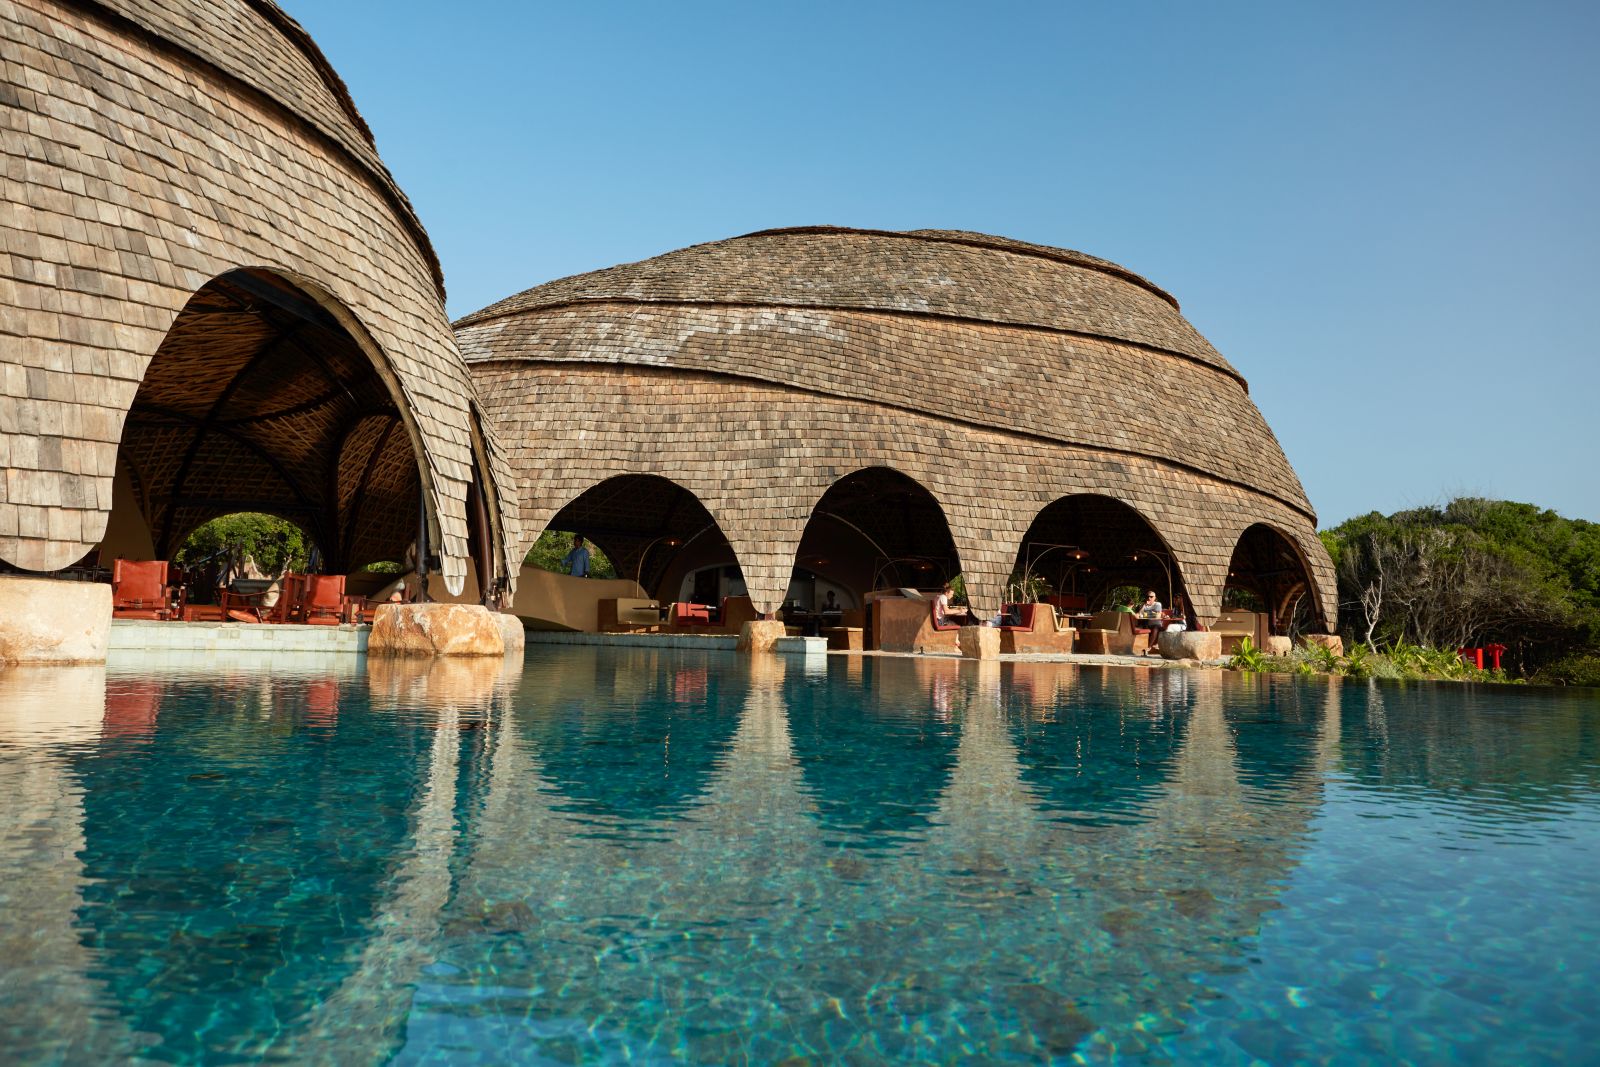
x: 260, y: 400
x: 873, y: 529
x: 1087, y: 552
x: 243, y: 545
x: 1269, y: 575
x: 655, y: 532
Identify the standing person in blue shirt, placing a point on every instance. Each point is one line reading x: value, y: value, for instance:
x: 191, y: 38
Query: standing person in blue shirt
x: 577, y: 561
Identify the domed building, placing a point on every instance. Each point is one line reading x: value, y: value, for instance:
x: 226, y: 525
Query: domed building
x: 812, y: 409
x: 217, y: 300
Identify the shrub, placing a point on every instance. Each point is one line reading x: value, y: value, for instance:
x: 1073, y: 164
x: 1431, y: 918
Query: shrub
x: 1249, y: 658
x: 1579, y: 668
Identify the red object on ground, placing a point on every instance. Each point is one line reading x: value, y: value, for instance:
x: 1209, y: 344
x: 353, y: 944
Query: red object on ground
x: 1495, y: 652
x: 1473, y: 656
x: 139, y: 589
x: 691, y: 614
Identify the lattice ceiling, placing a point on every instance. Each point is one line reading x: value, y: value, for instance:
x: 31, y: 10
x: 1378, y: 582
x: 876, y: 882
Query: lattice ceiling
x: 258, y: 400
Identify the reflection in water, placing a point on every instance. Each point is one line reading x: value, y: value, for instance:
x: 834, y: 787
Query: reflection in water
x: 875, y: 767
x: 224, y: 886
x: 1092, y: 767
x: 629, y: 747
x: 51, y: 1006
x: 662, y: 855
x: 1276, y: 731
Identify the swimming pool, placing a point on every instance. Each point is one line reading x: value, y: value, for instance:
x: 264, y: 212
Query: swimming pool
x: 625, y: 855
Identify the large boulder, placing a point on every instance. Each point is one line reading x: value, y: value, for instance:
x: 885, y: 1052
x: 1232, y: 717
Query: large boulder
x: 435, y: 630
x: 47, y: 620
x: 512, y: 632
x: 1333, y: 641
x: 761, y: 635
x: 1191, y: 644
x: 979, y: 642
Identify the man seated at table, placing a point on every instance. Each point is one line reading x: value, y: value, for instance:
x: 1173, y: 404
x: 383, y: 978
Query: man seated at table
x: 1149, y: 618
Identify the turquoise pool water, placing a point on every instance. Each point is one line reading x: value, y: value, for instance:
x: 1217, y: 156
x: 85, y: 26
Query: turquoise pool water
x: 648, y: 858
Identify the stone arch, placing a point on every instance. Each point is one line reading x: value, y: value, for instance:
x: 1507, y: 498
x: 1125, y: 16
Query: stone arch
x: 878, y: 527
x: 1088, y: 543
x: 267, y: 394
x: 653, y: 528
x: 1273, y: 565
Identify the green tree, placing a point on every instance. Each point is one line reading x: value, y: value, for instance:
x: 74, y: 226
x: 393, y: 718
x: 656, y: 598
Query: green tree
x: 553, y: 546
x: 276, y: 545
x: 1470, y: 572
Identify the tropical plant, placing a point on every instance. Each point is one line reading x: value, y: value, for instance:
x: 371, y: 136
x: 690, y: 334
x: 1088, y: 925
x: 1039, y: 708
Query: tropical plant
x: 1027, y: 588
x: 1249, y: 658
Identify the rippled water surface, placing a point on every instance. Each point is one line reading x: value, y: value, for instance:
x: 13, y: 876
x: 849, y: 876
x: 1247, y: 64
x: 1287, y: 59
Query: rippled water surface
x: 632, y: 856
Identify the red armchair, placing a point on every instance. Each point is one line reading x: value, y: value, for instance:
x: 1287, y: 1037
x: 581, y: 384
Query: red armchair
x: 139, y: 590
x: 324, y: 603
x: 933, y: 616
x: 691, y: 615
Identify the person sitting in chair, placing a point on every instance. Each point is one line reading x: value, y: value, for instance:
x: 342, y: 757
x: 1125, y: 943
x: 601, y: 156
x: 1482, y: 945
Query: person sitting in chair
x: 1149, y: 619
x: 945, y: 614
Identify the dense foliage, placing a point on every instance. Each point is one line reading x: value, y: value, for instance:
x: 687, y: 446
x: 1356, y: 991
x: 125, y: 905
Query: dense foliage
x: 553, y: 546
x: 1400, y: 661
x: 274, y: 544
x: 1472, y: 572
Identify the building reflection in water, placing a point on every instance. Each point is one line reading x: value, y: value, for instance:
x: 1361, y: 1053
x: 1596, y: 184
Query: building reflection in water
x: 927, y: 806
x: 573, y: 857
x: 52, y: 1004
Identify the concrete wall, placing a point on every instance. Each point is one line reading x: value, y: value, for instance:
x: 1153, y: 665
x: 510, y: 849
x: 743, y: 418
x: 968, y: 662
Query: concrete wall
x: 546, y: 600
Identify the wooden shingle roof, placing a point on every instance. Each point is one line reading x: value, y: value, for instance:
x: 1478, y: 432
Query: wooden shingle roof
x: 991, y: 332
x: 256, y: 43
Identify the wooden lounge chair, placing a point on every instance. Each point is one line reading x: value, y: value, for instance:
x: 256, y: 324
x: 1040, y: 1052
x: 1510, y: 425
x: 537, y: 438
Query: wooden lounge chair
x: 1037, y: 630
x: 900, y: 624
x: 1112, y: 633
x: 1235, y: 626
x: 735, y: 612
x: 139, y: 590
x: 291, y: 599
x: 249, y: 600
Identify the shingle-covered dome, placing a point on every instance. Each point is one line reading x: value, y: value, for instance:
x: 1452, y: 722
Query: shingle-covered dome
x: 259, y: 44
x: 1001, y: 333
x: 1000, y: 375
x: 197, y: 188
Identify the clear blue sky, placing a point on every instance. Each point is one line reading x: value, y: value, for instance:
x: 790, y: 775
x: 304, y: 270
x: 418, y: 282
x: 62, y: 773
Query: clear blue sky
x: 1383, y: 214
